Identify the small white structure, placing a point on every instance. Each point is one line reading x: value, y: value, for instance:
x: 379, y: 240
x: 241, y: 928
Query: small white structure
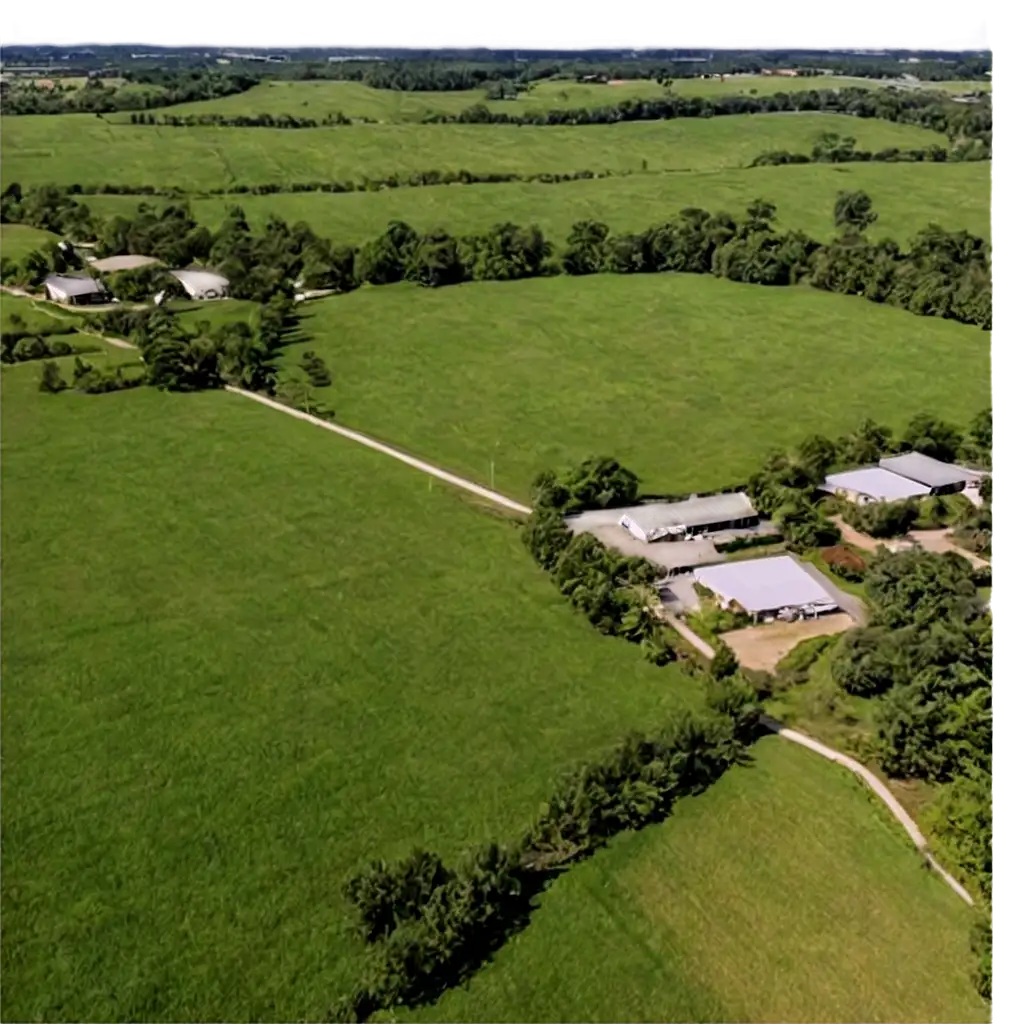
x: 202, y: 284
x: 778, y: 586
x: 113, y: 264
x: 873, y: 484
x: 691, y: 517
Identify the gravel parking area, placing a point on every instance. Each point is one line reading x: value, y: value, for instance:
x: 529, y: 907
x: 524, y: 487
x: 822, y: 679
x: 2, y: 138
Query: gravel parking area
x: 763, y: 647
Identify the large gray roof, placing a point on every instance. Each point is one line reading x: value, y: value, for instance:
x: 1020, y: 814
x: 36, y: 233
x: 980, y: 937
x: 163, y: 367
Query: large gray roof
x: 202, y: 283
x: 662, y: 520
x: 877, y: 483
x: 765, y: 584
x: 112, y: 264
x: 925, y: 470
x: 73, y: 284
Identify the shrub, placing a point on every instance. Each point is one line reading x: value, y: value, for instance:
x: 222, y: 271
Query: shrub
x: 51, y: 380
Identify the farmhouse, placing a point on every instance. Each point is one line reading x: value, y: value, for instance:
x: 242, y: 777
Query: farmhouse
x: 74, y: 290
x: 939, y: 477
x: 688, y: 518
x: 113, y: 264
x: 202, y: 284
x: 873, y: 484
x: 767, y: 587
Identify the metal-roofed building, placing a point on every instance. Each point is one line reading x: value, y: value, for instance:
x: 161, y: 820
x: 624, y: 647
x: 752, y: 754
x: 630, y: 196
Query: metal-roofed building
x: 767, y: 586
x: 202, y: 284
x: 74, y: 289
x: 938, y: 477
x: 113, y: 264
x: 685, y: 518
x: 872, y: 484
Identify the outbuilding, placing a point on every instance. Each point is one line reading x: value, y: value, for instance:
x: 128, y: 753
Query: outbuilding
x: 202, y: 284
x: 691, y: 517
x: 938, y: 477
x: 872, y: 483
x: 74, y: 289
x: 777, y: 587
x: 114, y: 264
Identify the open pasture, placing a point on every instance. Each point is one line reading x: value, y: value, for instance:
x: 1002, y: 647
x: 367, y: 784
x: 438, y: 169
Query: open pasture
x: 240, y: 658
x: 87, y: 150
x: 687, y: 379
x: 18, y: 240
x: 907, y: 197
x: 784, y: 893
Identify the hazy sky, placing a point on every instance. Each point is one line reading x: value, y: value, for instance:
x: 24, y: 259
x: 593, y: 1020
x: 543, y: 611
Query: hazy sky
x: 911, y: 24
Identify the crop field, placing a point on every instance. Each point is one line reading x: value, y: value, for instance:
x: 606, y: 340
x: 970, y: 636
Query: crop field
x: 318, y: 99
x: 784, y: 893
x: 278, y: 655
x: 86, y: 150
x: 907, y: 197
x: 665, y: 371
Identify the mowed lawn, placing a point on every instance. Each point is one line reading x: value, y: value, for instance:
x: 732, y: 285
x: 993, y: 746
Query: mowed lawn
x: 688, y: 379
x: 784, y: 893
x: 241, y: 657
x: 90, y: 151
x: 319, y: 99
x: 907, y: 197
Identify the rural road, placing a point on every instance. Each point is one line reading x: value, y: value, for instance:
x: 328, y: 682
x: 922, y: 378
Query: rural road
x: 873, y: 782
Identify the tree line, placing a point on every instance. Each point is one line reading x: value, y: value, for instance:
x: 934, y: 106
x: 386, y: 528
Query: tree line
x: 963, y: 125
x: 240, y: 120
x: 831, y: 148
x: 185, y: 86
x: 941, y: 273
x: 430, y: 925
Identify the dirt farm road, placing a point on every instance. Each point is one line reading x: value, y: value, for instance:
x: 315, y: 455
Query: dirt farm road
x: 873, y: 782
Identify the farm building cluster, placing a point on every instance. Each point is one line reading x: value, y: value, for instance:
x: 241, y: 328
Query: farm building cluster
x: 697, y: 543
x: 86, y: 288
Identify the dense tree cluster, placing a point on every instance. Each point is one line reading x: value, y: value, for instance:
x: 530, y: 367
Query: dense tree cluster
x: 927, y: 656
x: 170, y: 87
x: 430, y: 926
x: 843, y: 154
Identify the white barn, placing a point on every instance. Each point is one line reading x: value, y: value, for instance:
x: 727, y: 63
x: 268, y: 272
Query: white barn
x: 202, y: 284
x: 691, y: 517
x: 872, y: 483
x: 939, y: 477
x: 74, y: 289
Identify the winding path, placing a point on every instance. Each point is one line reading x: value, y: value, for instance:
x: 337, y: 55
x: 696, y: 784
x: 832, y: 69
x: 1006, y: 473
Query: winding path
x: 792, y: 735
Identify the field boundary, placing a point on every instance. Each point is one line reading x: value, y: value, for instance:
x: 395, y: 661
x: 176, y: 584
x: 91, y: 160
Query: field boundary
x: 880, y: 790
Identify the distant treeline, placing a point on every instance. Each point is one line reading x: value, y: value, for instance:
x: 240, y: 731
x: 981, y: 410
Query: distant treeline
x: 941, y: 273
x: 239, y: 121
x: 96, y: 98
x: 830, y: 148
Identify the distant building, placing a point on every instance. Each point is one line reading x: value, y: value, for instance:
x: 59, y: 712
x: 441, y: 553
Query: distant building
x: 938, y: 477
x: 688, y: 518
x: 872, y: 483
x: 74, y: 290
x: 767, y: 587
x: 113, y: 264
x: 202, y: 284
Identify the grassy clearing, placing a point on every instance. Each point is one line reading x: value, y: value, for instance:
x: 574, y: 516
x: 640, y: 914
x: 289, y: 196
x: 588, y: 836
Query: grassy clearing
x: 87, y: 150
x: 318, y: 99
x: 907, y: 197
x: 667, y: 372
x: 269, y: 656
x: 18, y: 240
x: 784, y: 893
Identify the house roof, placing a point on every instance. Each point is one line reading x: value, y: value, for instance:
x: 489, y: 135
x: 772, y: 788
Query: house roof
x: 662, y: 520
x: 112, y: 264
x: 201, y: 282
x: 765, y: 584
x: 669, y: 557
x: 875, y: 482
x: 925, y: 470
x: 73, y: 284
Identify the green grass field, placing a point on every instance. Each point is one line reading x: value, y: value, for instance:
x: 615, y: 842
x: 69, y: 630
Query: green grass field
x: 241, y: 657
x: 320, y: 98
x: 907, y: 197
x: 86, y: 150
x: 784, y: 893
x: 687, y: 379
x: 18, y: 240
x: 271, y: 655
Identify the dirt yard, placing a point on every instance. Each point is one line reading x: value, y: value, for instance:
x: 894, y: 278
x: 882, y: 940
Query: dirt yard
x: 762, y: 647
